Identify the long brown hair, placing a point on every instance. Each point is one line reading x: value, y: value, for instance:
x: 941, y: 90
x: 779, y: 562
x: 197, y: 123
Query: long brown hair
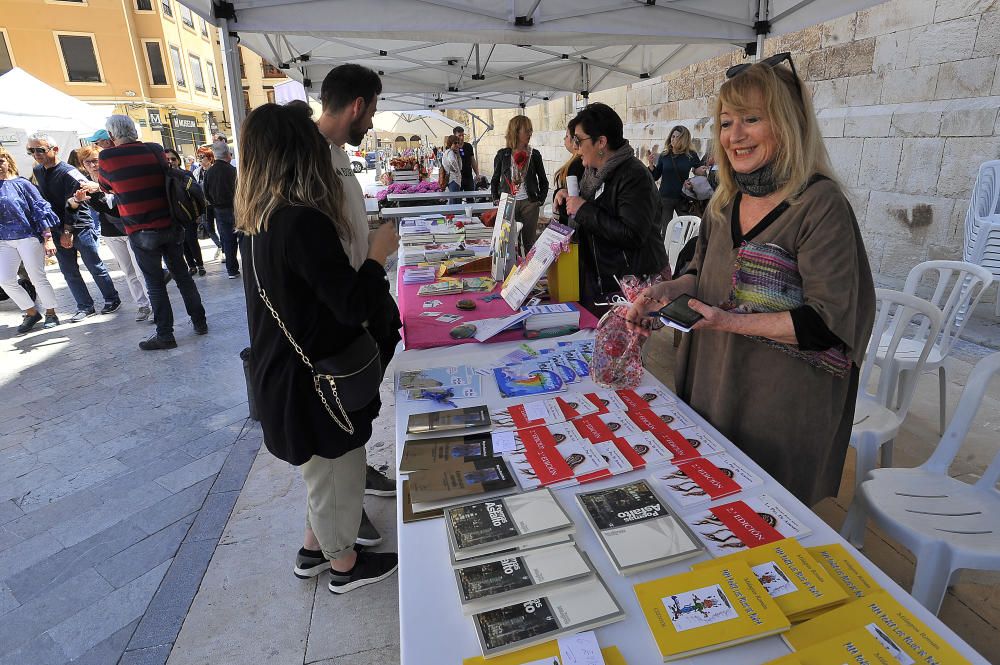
x: 284, y: 160
x: 685, y: 141
x: 514, y: 127
x: 788, y: 106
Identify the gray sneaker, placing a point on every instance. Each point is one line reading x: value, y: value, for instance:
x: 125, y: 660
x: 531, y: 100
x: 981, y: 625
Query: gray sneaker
x: 143, y: 313
x: 377, y: 483
x: 81, y: 315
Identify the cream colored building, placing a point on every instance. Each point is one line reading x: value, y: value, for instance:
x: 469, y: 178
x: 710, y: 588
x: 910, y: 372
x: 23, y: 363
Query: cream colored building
x: 259, y: 79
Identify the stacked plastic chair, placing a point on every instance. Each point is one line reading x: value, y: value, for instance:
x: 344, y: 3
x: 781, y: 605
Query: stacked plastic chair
x: 982, y: 223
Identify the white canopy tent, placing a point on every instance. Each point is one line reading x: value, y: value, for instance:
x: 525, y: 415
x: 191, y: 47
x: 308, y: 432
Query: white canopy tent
x: 434, y: 54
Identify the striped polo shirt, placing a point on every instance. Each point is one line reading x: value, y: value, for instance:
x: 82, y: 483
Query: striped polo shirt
x: 135, y: 173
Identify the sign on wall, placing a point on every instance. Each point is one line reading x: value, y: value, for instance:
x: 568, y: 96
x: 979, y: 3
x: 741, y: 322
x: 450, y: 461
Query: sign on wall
x: 155, y: 121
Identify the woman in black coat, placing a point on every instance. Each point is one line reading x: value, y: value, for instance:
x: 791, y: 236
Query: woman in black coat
x: 520, y: 166
x: 298, y: 243
x: 617, y: 215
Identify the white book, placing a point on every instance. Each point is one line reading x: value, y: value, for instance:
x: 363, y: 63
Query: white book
x: 704, y: 479
x: 636, y: 528
x: 559, y: 465
x: 744, y: 523
x: 649, y: 448
x: 484, y: 586
x: 563, y: 537
x: 499, y: 523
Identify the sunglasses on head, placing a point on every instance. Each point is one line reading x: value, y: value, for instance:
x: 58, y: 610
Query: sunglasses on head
x: 772, y: 62
x: 38, y: 151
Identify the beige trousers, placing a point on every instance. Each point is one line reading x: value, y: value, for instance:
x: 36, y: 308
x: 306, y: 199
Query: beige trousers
x: 335, y: 492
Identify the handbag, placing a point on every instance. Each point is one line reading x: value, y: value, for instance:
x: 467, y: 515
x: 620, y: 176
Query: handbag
x: 349, y: 379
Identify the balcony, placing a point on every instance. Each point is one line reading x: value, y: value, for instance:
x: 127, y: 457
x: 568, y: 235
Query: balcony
x: 270, y: 71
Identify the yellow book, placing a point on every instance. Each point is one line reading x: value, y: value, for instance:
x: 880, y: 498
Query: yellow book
x: 540, y: 652
x: 708, y: 609
x: 790, y: 575
x: 877, y: 611
x: 862, y: 645
x: 845, y: 569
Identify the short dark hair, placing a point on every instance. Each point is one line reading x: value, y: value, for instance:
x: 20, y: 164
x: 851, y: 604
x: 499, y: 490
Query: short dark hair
x: 458, y: 130
x: 174, y: 153
x: 346, y: 83
x: 571, y: 126
x: 601, y: 120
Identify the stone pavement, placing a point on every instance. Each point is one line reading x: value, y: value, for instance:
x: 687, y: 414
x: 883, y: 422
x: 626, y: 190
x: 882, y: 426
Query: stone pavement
x: 118, y: 471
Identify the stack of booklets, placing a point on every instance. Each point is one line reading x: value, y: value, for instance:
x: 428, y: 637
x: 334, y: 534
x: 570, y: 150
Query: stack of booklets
x: 555, y: 455
x: 441, y: 383
x: 547, y: 411
x: 446, y: 287
x: 415, y: 275
x: 557, y: 315
x: 702, y: 480
x: 844, y: 569
x: 472, y: 419
x: 683, y: 445
x: 450, y: 482
x: 706, y: 610
x: 791, y: 576
x: 635, y: 527
x: 546, y: 653
x: 498, y: 528
x: 744, y: 524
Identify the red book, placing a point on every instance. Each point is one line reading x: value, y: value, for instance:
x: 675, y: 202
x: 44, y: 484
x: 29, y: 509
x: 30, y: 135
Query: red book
x: 746, y: 524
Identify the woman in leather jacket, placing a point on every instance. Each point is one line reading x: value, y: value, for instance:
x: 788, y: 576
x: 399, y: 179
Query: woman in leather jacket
x: 617, y: 215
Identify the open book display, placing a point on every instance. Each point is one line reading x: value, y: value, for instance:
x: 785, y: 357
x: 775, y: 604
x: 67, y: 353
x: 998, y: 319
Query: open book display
x: 553, y: 241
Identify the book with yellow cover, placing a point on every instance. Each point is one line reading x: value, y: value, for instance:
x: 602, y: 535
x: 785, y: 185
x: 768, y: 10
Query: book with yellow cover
x: 541, y: 652
x: 798, y: 584
x: 880, y: 611
x: 708, y: 609
x: 845, y: 569
x: 869, y: 645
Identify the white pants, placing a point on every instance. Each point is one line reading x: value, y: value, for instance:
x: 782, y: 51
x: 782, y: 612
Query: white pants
x: 32, y: 253
x: 120, y: 247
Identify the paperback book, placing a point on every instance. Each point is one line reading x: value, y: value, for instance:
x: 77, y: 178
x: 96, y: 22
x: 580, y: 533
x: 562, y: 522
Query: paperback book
x: 543, y: 412
x: 704, y: 479
x: 577, y: 607
x: 845, y: 569
x: 457, y: 482
x: 544, y: 460
x: 435, y: 377
x: 419, y: 455
x: 600, y: 427
x: 740, y: 525
x: 502, y: 523
x: 870, y: 645
x: 448, y: 421
x: 619, y: 455
x: 514, y: 382
x: 484, y: 586
x: 636, y: 529
x: 562, y: 538
x: 409, y: 515
x: 648, y: 448
x: 683, y: 445
x: 706, y: 610
x: 512, y: 441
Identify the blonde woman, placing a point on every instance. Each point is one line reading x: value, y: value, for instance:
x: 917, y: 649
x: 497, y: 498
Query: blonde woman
x: 673, y: 167
x: 297, y: 248
x: 26, y: 221
x: 571, y: 167
x: 519, y: 166
x: 781, y: 277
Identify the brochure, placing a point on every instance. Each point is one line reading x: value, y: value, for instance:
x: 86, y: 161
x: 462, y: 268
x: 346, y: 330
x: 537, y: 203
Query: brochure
x: 513, y: 383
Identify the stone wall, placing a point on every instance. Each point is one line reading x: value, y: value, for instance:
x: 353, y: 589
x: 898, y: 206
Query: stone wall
x: 907, y: 94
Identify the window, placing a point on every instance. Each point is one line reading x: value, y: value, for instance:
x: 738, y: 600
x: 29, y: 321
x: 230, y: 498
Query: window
x: 270, y: 71
x: 212, y: 79
x: 186, y: 17
x: 166, y: 8
x: 144, y: 5
x: 204, y: 28
x: 243, y: 68
x: 177, y: 66
x: 6, y: 59
x: 270, y: 95
x: 246, y: 99
x: 79, y: 55
x: 196, y: 74
x: 154, y: 58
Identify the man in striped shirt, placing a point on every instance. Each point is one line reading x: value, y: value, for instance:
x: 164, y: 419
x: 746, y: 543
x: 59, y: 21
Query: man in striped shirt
x: 135, y: 173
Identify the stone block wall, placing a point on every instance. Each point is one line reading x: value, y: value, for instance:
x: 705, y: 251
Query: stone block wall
x: 907, y: 94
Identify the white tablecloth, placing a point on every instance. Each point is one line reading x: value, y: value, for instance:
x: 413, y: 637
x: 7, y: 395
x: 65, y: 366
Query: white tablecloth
x: 433, y: 630
x: 443, y: 209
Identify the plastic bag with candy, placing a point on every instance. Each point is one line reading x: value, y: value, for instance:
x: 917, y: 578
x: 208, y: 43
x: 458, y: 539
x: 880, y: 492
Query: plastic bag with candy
x: 617, y: 359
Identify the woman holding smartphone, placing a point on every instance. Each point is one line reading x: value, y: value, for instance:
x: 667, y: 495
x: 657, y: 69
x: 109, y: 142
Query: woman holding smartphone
x: 781, y: 280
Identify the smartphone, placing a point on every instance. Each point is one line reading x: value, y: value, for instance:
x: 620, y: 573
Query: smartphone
x: 678, y: 315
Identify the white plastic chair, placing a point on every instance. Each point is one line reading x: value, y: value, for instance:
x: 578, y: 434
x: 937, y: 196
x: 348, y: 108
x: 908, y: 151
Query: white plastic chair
x: 957, y: 287
x: 679, y: 231
x: 946, y: 523
x: 876, y: 418
x: 982, y: 223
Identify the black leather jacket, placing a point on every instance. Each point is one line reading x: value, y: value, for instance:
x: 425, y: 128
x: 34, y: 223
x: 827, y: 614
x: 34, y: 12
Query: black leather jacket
x: 620, y: 232
x: 535, y: 180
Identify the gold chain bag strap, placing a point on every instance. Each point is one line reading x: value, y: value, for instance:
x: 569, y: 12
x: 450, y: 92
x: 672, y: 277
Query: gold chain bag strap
x: 349, y: 379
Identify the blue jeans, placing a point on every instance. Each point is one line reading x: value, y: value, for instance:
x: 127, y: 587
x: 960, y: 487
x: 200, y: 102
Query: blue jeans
x: 85, y: 245
x: 162, y: 245
x: 207, y: 222
x: 454, y: 187
x: 225, y: 220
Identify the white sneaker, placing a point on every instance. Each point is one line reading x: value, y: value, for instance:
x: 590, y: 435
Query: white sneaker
x: 218, y: 253
x: 143, y: 313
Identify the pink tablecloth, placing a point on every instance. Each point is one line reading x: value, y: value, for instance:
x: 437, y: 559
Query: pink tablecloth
x: 425, y: 332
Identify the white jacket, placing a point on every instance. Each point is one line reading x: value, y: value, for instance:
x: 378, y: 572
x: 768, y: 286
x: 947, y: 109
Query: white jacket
x: 451, y: 162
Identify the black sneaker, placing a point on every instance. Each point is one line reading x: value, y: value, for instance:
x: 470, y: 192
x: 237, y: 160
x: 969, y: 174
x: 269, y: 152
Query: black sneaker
x: 310, y: 563
x: 201, y: 271
x: 28, y: 322
x: 193, y: 270
x: 51, y: 321
x: 235, y: 275
x: 156, y: 343
x: 377, y: 483
x: 111, y: 307
x: 370, y: 567
x: 368, y: 535
x: 167, y: 277
x: 201, y: 328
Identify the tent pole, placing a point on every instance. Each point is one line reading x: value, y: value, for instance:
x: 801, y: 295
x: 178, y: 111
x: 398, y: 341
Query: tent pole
x: 230, y: 67
x: 762, y: 26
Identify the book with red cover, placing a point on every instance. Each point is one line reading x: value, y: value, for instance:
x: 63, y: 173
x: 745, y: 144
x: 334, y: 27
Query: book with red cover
x: 600, y: 427
x: 677, y: 443
x: 619, y: 455
x: 542, y: 412
x: 740, y: 525
x: 704, y: 479
x: 543, y: 459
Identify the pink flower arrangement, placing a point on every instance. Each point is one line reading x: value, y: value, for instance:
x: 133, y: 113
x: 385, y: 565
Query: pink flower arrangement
x: 408, y: 188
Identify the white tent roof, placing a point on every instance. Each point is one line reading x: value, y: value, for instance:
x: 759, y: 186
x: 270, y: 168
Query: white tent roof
x: 490, y: 53
x: 29, y: 104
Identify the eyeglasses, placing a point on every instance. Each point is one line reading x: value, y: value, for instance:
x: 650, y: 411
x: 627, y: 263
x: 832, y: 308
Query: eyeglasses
x: 577, y: 140
x: 91, y: 162
x: 772, y: 62
x: 38, y: 151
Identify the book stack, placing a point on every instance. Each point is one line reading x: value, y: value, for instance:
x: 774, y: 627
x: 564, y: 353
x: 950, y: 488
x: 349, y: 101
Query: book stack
x: 744, y: 524
x: 449, y: 482
x: 701, y: 480
x: 635, y: 527
x: 416, y: 275
x: 446, y: 287
x: 555, y: 455
x: 478, y: 238
x: 557, y: 315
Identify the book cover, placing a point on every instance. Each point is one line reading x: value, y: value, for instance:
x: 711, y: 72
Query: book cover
x: 647, y: 448
x: 458, y: 480
x: 672, y: 416
x: 844, y: 569
x: 600, y: 427
x: 636, y: 528
x: 512, y: 441
x: 483, y: 586
x: 449, y: 420
x: 418, y: 455
x: 434, y: 377
x: 542, y: 412
x: 512, y: 382
x: 410, y: 515
x: 546, y: 653
x: 620, y: 459
x: 527, y: 546
x: 546, y: 460
x: 682, y: 446
x: 879, y: 611
x: 503, y: 522
x: 710, y: 609
x: 739, y: 525
x: 645, y: 397
x: 571, y: 609
x: 870, y: 645
x: 704, y: 479
x: 796, y: 581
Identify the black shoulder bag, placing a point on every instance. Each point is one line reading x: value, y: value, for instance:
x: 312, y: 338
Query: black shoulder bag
x: 349, y: 379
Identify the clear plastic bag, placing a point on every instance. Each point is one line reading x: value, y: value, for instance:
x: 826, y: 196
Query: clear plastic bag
x: 617, y: 360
